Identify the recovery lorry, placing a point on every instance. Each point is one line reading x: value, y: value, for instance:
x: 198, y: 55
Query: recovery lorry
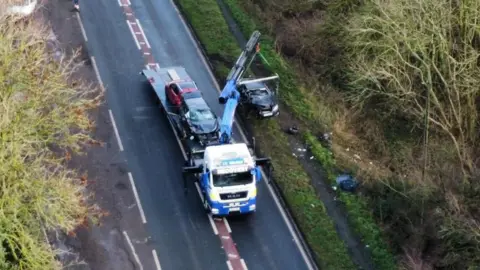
x: 225, y: 172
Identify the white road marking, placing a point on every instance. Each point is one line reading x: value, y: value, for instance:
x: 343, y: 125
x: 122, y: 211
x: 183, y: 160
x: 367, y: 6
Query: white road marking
x: 117, y: 135
x: 242, y: 261
x: 143, y: 33
x: 227, y: 225
x: 242, y: 134
x: 210, y: 219
x: 155, y: 258
x: 146, y: 53
x: 120, y: 3
x: 158, y: 66
x: 95, y: 68
x: 135, y: 193
x: 214, y: 227
x: 129, y: 3
x: 133, y: 34
x: 233, y: 256
x: 229, y: 264
x: 148, y: 66
x: 84, y: 34
x: 135, y: 255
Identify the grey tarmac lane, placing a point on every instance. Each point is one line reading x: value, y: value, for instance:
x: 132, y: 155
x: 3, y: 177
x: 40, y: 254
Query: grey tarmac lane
x: 180, y: 230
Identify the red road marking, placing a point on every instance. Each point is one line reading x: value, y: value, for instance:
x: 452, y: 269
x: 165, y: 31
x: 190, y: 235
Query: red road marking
x: 147, y: 54
x: 228, y: 245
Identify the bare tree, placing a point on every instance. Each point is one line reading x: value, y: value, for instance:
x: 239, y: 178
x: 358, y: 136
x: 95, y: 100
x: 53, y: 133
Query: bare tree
x: 402, y: 50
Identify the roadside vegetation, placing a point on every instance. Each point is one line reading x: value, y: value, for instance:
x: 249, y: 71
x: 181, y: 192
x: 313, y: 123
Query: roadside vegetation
x: 43, y: 122
x: 397, y: 84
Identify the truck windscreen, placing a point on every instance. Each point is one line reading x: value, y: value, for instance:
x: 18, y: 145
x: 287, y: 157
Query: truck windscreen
x: 233, y: 179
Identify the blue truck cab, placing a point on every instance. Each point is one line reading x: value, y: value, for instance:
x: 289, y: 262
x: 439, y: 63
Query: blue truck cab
x: 229, y: 179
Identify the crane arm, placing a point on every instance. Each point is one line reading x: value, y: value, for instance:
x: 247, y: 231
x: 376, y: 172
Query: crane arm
x: 229, y: 95
x: 241, y: 65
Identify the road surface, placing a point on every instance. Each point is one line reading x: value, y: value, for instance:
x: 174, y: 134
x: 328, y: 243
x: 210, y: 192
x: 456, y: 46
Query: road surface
x: 182, y: 234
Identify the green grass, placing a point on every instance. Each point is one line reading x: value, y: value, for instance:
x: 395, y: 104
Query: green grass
x: 306, y: 207
x: 40, y: 109
x: 360, y: 215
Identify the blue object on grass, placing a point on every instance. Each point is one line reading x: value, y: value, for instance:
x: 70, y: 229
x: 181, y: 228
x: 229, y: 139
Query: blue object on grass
x: 347, y: 182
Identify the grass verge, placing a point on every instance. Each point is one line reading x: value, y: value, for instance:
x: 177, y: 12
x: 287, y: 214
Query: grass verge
x: 307, y: 209
x: 40, y: 111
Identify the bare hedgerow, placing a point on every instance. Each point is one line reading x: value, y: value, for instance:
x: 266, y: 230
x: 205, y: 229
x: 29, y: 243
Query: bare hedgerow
x: 402, y: 51
x: 39, y: 111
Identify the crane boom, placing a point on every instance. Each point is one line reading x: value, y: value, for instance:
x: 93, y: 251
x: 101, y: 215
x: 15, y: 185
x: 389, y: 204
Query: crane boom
x: 229, y: 95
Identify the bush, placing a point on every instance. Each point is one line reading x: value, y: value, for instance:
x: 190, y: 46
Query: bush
x: 40, y: 111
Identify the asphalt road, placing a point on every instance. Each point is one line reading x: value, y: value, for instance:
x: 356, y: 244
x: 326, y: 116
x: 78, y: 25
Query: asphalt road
x: 181, y: 231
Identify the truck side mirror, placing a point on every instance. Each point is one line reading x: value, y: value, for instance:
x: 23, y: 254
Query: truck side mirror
x: 262, y: 161
x: 187, y: 171
x: 267, y: 164
x: 192, y: 169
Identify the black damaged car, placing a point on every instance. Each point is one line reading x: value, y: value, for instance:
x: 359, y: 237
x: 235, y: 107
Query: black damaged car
x: 198, y: 120
x: 259, y: 98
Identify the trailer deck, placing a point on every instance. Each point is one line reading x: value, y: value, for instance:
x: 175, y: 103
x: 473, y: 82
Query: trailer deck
x: 159, y: 80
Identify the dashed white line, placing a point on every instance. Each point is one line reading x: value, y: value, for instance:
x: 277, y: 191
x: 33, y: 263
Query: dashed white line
x: 155, y: 258
x: 143, y: 33
x: 242, y: 261
x: 129, y: 3
x: 233, y: 256
x: 229, y: 265
x: 117, y: 135
x: 135, y: 255
x: 120, y: 3
x: 135, y: 193
x: 133, y: 34
x: 84, y: 34
x: 227, y: 225
x: 95, y: 68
